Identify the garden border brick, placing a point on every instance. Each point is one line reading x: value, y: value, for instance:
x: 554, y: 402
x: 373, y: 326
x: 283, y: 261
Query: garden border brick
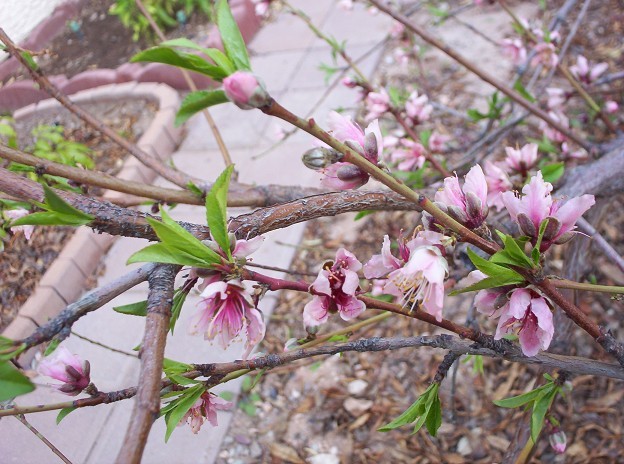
x: 65, y: 279
x: 25, y: 92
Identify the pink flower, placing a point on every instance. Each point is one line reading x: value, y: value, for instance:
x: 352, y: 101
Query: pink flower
x: 527, y: 313
x: 205, y: 408
x: 13, y: 214
x: 413, y: 155
x: 437, y: 142
x: 397, y: 30
x: 554, y: 134
x: 545, y: 54
x: 377, y: 103
x: 67, y: 368
x: 514, y: 50
x: 558, y: 441
x: 498, y: 182
x: 418, y: 108
x: 246, y: 90
x: 537, y: 204
x: 343, y: 176
x: 567, y: 152
x: 346, y: 5
x: 586, y: 74
x: 556, y: 98
x: 335, y: 289
x: 522, y: 160
x: 611, y: 107
x: 225, y: 312
x: 467, y: 204
x: 416, y: 275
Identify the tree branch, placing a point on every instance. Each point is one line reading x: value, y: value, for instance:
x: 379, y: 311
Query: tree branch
x: 147, y: 404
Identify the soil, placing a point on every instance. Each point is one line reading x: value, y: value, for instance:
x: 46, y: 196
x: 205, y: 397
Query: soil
x: 328, y: 410
x: 23, y: 262
x: 72, y: 53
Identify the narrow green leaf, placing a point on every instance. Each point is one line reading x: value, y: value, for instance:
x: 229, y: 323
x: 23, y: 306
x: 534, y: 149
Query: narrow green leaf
x: 135, y: 309
x: 540, y: 408
x: 161, y: 253
x: 233, y: 42
x: 181, y: 406
x: 520, y: 400
x: 197, y: 101
x: 216, y: 210
x: 56, y: 203
x: 49, y: 218
x: 52, y: 347
x: 180, y: 59
x: 362, y: 214
x: 434, y: 417
x: 176, y: 367
x: 535, y: 253
x: 63, y: 413
x: 12, y: 382
x: 518, y: 87
x: 416, y: 410
x: 176, y: 309
x: 216, y: 55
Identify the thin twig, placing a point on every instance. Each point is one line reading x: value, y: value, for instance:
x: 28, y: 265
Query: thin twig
x: 48, y: 443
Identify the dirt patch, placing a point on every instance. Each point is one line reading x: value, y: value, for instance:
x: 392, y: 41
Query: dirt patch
x: 23, y: 263
x: 104, y: 42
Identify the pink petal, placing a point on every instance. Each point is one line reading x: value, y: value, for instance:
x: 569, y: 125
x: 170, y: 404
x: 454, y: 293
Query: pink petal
x: 373, y: 127
x: 537, y: 200
x: 572, y: 210
x: 519, y: 302
x: 343, y: 128
x: 352, y: 309
x: 244, y: 248
x: 380, y: 265
x: 321, y: 284
x: 475, y: 182
x: 451, y: 193
x: 316, y: 311
x: 351, y: 282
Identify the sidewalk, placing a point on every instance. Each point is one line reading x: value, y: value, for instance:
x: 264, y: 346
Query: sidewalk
x: 286, y: 55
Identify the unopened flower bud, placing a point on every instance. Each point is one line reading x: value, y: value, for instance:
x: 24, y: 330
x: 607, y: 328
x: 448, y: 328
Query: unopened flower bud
x: 475, y: 209
x: 320, y: 157
x: 564, y: 238
x: 246, y: 90
x: 67, y: 368
x: 558, y: 441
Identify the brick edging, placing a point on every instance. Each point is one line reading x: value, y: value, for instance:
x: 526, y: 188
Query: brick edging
x: 65, y: 279
x: 25, y: 92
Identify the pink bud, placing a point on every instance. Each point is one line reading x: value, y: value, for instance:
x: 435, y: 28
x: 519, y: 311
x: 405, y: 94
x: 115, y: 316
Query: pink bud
x: 558, y: 441
x: 246, y: 90
x: 611, y: 107
x: 67, y: 368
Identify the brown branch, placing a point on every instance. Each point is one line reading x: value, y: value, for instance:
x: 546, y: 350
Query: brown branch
x: 100, y: 179
x: 515, y: 96
x: 147, y: 404
x: 89, y: 302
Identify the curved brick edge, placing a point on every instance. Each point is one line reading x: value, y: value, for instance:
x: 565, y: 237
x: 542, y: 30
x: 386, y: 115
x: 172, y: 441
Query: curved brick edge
x: 66, y: 278
x: 25, y: 92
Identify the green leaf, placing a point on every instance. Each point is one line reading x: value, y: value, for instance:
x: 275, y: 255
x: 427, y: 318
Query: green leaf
x: 197, y: 101
x: 512, y: 253
x: 177, y: 408
x: 179, y: 59
x: 518, y: 87
x: 178, y: 246
x: 175, y: 367
x: 216, y: 55
x: 231, y: 37
x: 362, y: 214
x: 216, y: 210
x: 12, y: 382
x: 63, y: 413
x: 135, y: 309
x: 417, y: 409
x: 498, y: 275
x: 52, y: 347
x: 553, y: 172
x: 520, y: 400
x: 434, y: 416
x: 535, y: 253
x: 30, y: 61
x: 58, y: 213
x: 540, y: 408
x: 176, y: 309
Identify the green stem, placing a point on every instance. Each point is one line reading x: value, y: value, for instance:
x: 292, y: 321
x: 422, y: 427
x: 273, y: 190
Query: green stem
x: 585, y: 286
